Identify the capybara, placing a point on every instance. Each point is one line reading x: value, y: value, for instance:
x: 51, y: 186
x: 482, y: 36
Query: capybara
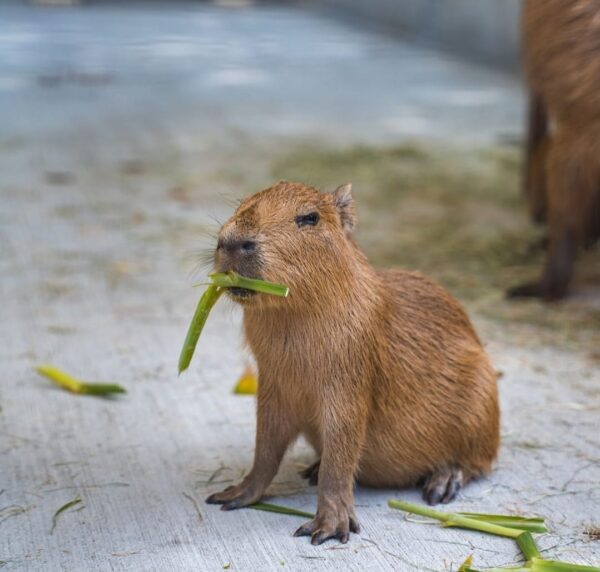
x: 380, y: 370
x: 561, y: 54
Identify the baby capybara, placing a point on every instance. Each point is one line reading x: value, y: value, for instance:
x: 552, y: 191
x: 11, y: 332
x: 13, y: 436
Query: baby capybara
x: 561, y: 52
x: 380, y: 370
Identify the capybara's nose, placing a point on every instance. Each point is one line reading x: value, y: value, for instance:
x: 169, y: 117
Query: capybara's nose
x: 236, y: 246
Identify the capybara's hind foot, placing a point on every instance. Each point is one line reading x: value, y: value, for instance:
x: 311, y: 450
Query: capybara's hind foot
x: 443, y: 485
x: 311, y: 473
x: 537, y: 290
x: 527, y: 290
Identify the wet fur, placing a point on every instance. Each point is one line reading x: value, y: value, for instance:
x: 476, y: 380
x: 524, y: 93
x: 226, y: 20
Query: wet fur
x: 381, y: 371
x: 561, y: 54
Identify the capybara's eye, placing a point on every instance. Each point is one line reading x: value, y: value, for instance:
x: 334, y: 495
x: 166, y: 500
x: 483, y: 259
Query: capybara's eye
x: 310, y: 219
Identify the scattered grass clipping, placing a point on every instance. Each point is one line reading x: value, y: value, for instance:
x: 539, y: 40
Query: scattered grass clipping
x: 520, y: 529
x: 77, y: 500
x: 455, y: 519
x: 268, y: 507
x: 534, y: 565
x: 74, y: 385
x: 220, y: 281
x: 529, y: 524
x: 247, y: 384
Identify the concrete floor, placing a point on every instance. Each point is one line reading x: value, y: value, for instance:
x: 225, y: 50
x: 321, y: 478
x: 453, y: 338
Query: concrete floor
x: 124, y: 131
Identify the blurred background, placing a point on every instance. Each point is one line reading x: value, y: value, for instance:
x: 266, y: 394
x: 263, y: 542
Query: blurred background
x: 127, y: 131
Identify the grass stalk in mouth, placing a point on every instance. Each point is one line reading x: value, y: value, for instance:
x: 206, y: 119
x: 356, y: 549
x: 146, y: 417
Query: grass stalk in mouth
x: 234, y: 280
x: 205, y: 305
x: 220, y: 281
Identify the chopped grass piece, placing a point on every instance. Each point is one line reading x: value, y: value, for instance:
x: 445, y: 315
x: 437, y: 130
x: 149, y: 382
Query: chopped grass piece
x: 193, y: 501
x: 268, y: 507
x: 208, y: 300
x: 456, y: 519
x: 62, y: 509
x: 233, y: 280
x: 489, y: 523
x: 539, y: 565
x: 528, y: 546
x: 502, y: 569
x: 530, y: 524
x: 73, y: 385
x: 247, y: 384
x: 535, y: 565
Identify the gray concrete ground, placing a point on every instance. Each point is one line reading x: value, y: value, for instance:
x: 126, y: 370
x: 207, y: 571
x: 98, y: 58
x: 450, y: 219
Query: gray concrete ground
x: 125, y: 131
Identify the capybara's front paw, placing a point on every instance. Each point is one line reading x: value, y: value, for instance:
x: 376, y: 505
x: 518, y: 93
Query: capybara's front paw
x: 330, y: 523
x: 236, y: 496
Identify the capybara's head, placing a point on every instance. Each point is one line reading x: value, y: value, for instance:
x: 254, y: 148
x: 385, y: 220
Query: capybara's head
x: 291, y: 234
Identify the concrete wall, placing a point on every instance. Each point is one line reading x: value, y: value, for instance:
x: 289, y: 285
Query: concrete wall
x: 484, y: 30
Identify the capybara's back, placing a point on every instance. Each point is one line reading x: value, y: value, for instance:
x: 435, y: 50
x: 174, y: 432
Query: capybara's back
x: 561, y: 54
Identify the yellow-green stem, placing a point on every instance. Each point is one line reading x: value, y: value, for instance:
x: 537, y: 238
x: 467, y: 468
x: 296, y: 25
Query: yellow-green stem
x: 455, y: 519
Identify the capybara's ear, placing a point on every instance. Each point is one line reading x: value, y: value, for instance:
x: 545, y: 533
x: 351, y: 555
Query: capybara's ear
x: 342, y: 197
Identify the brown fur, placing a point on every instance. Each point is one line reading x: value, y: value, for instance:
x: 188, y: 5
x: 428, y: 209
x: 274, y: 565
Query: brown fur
x: 381, y: 371
x: 561, y: 52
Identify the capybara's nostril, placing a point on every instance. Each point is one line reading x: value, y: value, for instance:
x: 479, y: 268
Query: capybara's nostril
x: 235, y: 245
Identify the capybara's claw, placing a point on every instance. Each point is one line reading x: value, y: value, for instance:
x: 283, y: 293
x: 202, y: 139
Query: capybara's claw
x: 305, y: 530
x: 324, y: 527
x: 234, y: 497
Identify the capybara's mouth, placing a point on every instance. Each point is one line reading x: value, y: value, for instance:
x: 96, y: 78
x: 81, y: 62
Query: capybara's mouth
x: 240, y: 292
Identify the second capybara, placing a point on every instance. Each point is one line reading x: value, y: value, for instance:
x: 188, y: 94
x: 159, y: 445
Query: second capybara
x: 380, y: 370
x: 561, y: 55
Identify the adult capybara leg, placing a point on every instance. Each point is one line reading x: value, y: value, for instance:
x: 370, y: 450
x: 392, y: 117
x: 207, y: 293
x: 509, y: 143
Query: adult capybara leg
x: 573, y: 173
x: 534, y: 179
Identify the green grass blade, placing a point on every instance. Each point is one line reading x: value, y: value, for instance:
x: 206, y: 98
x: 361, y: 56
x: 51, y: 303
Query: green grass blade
x: 455, y: 519
x: 62, y: 509
x: 101, y: 388
x: 467, y: 566
x: 528, y: 546
x: 220, y: 281
x: 68, y: 382
x: 502, y: 569
x: 207, y: 301
x: 529, y: 524
x: 231, y: 280
x: 268, y: 507
x: 539, y: 565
